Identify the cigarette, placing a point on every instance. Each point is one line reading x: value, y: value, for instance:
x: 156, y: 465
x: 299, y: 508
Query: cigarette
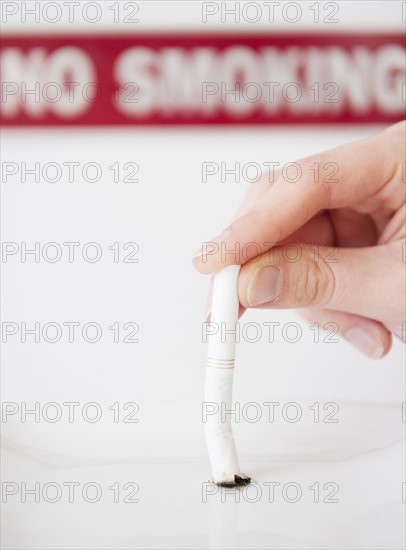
x: 219, y: 379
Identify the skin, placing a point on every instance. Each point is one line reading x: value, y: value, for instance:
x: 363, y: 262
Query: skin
x: 349, y: 233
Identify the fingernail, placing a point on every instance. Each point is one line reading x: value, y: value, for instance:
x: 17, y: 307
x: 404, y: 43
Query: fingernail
x: 211, y: 247
x: 365, y: 342
x: 265, y: 285
x: 198, y: 253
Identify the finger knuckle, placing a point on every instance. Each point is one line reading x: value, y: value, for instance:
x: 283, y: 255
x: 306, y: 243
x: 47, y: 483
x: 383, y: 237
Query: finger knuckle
x: 316, y: 285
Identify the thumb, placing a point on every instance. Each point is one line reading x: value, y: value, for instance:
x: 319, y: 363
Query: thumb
x: 364, y: 281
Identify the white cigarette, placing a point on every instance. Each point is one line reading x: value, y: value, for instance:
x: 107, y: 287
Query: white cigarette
x: 219, y: 379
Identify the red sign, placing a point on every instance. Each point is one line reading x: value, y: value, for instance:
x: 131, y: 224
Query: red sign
x: 202, y: 79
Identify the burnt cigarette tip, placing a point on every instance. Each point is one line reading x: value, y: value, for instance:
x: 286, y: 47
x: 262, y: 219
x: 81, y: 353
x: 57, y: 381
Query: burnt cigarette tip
x: 238, y: 482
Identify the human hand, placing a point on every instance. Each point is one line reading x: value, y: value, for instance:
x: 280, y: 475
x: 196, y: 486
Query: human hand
x: 331, y: 245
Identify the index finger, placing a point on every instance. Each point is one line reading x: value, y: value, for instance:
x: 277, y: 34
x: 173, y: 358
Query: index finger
x: 355, y: 172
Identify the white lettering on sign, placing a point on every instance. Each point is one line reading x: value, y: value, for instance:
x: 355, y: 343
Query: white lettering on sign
x: 62, y: 82
x: 240, y: 81
x: 235, y: 82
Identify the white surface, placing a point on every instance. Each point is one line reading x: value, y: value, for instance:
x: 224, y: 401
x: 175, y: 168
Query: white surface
x: 178, y: 508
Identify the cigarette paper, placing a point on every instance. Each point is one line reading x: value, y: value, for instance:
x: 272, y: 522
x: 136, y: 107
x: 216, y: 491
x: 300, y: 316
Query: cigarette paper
x: 219, y: 378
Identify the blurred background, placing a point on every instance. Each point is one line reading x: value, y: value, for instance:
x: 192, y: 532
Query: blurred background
x: 122, y: 151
